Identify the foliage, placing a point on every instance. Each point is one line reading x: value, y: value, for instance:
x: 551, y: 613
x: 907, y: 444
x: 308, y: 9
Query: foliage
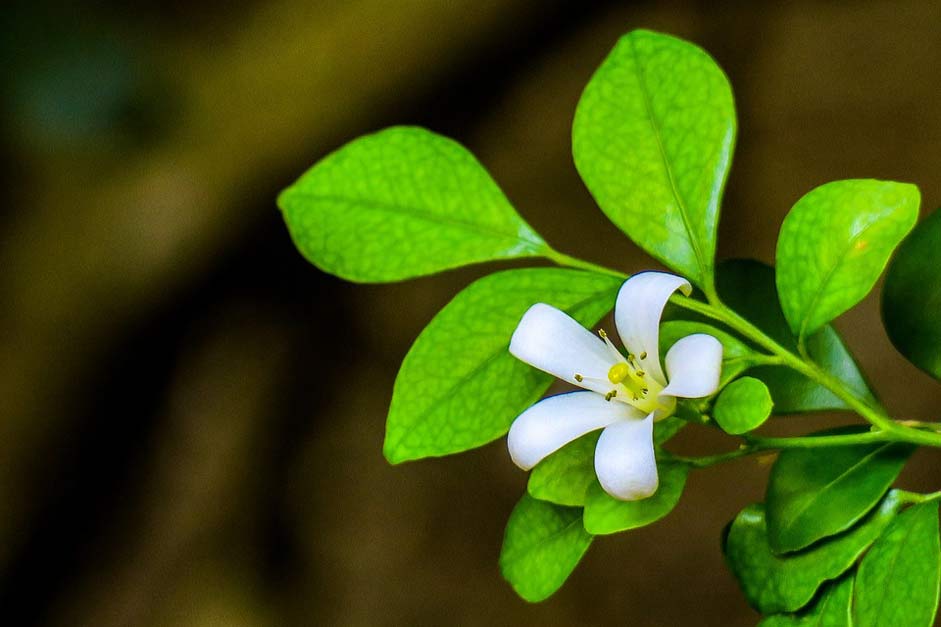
x: 652, y: 138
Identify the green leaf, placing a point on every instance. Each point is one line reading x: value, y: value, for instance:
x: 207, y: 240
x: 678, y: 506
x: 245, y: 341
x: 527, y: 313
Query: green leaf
x: 564, y: 476
x: 742, y: 406
x: 542, y: 545
x: 652, y: 140
x: 815, y: 493
x: 736, y: 355
x: 401, y: 203
x: 834, y: 244
x: 785, y: 583
x: 748, y: 287
x: 605, y: 514
x: 911, y: 298
x: 898, y: 579
x: 459, y: 387
x: 833, y: 607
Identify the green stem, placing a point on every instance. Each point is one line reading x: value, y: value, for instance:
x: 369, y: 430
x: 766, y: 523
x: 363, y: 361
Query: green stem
x: 915, y: 498
x: 758, y: 445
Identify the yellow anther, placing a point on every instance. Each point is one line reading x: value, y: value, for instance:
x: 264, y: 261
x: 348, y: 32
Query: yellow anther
x: 579, y: 377
x: 643, y: 355
x: 610, y: 395
x: 602, y: 333
x: 619, y: 372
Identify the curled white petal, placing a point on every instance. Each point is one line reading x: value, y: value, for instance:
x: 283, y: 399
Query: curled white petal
x: 637, y: 314
x: 552, y: 341
x: 555, y: 421
x: 694, y: 364
x: 625, y: 461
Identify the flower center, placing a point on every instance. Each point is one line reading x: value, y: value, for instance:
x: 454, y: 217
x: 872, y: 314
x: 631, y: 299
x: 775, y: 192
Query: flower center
x: 629, y: 384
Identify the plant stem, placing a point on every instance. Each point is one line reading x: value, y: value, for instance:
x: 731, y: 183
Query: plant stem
x: 915, y: 498
x: 758, y: 445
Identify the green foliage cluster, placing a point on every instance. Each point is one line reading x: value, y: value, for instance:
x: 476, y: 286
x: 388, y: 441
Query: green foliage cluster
x: 652, y: 139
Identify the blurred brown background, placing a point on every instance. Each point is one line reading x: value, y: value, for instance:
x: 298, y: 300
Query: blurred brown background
x: 192, y: 417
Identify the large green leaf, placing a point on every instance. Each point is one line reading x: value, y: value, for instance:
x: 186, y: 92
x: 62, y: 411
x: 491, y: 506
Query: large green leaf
x: 835, y: 243
x: 815, y: 493
x: 742, y: 406
x: 898, y: 579
x: 833, y: 607
x: 459, y: 387
x: 542, y: 545
x: 401, y: 203
x: 736, y: 355
x: 748, y: 287
x: 911, y: 298
x: 605, y: 514
x: 564, y: 476
x: 785, y: 583
x: 652, y: 140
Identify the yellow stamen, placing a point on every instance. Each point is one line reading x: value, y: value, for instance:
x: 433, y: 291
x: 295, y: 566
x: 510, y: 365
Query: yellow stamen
x: 619, y: 372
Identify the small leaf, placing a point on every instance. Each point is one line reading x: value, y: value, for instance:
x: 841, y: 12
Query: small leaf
x: 833, y: 607
x: 835, y: 243
x: 459, y: 387
x: 911, y: 298
x: 564, y: 476
x: 401, y: 203
x: 605, y: 514
x: 748, y: 287
x: 742, y: 406
x: 898, y: 579
x: 785, y: 583
x: 815, y: 493
x: 542, y: 545
x: 652, y: 139
x: 737, y: 356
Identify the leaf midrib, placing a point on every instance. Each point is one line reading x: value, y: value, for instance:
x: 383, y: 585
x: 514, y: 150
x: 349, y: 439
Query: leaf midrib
x: 803, y: 510
x: 802, y: 333
x: 654, y: 125
x: 538, y: 245
x: 892, y: 563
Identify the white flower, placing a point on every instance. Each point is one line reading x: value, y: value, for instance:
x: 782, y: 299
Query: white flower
x: 624, y: 396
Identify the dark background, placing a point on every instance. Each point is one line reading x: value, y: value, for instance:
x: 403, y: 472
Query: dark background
x: 191, y: 417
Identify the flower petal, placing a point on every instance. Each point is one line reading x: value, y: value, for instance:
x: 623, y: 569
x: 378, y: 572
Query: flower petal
x: 552, y: 341
x: 625, y: 461
x: 555, y: 421
x: 693, y: 365
x: 637, y: 315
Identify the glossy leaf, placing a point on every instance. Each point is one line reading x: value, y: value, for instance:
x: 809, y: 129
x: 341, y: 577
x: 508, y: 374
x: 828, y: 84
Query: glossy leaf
x: 833, y: 607
x: 542, y: 545
x: 652, y: 140
x: 748, y: 287
x: 815, y: 493
x: 834, y: 244
x: 401, y: 203
x: 785, y: 583
x: 459, y: 387
x: 911, y: 298
x: 565, y: 475
x: 898, y: 579
x: 605, y: 514
x: 736, y: 355
x: 743, y: 405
